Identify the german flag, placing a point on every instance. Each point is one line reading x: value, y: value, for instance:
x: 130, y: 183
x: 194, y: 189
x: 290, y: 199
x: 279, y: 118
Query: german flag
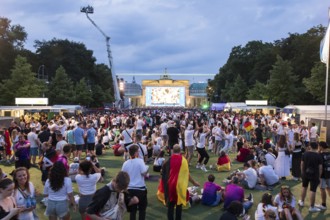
x: 248, y: 126
x: 174, y: 182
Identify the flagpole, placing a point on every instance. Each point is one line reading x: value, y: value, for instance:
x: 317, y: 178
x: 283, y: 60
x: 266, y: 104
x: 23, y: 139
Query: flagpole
x: 327, y: 75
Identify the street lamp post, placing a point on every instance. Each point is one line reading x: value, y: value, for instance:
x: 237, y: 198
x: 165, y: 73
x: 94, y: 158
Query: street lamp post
x: 90, y: 10
x: 42, y: 76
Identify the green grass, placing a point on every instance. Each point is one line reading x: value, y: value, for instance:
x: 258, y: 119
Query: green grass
x: 156, y: 210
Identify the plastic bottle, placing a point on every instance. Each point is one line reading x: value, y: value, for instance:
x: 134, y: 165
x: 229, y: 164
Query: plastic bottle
x: 33, y: 201
x: 28, y: 202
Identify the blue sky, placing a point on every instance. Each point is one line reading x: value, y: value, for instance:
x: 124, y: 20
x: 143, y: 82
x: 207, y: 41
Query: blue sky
x: 147, y: 36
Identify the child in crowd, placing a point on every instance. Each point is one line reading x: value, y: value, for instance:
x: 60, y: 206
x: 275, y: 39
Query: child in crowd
x: 211, y: 195
x: 159, y: 161
x: 73, y: 169
x: 99, y: 147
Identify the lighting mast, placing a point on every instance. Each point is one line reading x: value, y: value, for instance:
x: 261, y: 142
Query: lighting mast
x: 90, y: 10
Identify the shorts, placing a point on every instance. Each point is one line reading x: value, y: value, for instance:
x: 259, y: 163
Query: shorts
x: 84, y: 201
x: 190, y: 150
x: 73, y: 148
x: 57, y: 208
x: 33, y: 151
x: 90, y: 146
x: 314, y: 183
x: 79, y: 147
x: 325, y: 183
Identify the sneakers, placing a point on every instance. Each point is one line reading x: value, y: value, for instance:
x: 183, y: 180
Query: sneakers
x: 295, y: 179
x: 203, y: 168
x: 250, y: 197
x: 301, y: 203
x: 198, y: 166
x: 314, y: 209
x: 321, y: 207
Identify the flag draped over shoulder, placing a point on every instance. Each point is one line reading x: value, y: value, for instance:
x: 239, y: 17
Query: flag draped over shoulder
x: 324, y: 47
x: 174, y: 182
x: 248, y: 126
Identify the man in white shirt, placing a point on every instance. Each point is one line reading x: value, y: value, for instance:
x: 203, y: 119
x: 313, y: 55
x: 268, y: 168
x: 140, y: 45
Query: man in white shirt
x: 249, y: 177
x: 143, y: 152
x: 268, y: 177
x: 313, y: 133
x: 34, y: 141
x: 270, y: 157
x: 137, y: 171
x: 139, y: 125
x: 60, y: 143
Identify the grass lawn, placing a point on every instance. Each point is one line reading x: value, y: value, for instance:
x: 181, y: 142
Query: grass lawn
x: 156, y: 210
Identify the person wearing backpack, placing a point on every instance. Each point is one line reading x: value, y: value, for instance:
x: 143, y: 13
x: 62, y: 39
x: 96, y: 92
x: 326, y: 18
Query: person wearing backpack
x: 325, y: 176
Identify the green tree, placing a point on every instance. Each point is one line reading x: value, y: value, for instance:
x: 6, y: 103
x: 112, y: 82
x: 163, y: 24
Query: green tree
x: 258, y: 91
x: 12, y: 39
x: 315, y: 84
x: 236, y: 91
x: 61, y: 90
x: 281, y: 85
x: 22, y: 83
x: 83, y: 93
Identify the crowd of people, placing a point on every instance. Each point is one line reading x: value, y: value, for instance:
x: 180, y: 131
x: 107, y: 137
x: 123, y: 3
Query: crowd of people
x: 65, y: 150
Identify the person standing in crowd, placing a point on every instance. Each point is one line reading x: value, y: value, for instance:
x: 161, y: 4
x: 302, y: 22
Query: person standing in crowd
x: 203, y: 155
x: 60, y: 143
x: 44, y: 136
x: 86, y: 184
x: 175, y: 171
x: 311, y: 170
x: 137, y: 171
x: 127, y: 135
x: 296, y: 157
x: 34, y: 145
x: 22, y: 152
x: 107, y: 197
x: 79, y: 135
x: 286, y: 204
x: 91, y: 134
x: 8, y: 207
x: 325, y: 177
x: 48, y: 158
x: 282, y: 162
x: 173, y: 135
x: 139, y: 125
x: 58, y: 188
x: 313, y: 133
x: 24, y: 191
x: 189, y: 142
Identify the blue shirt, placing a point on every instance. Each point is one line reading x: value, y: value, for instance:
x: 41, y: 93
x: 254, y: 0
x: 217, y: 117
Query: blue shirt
x: 91, y: 135
x: 79, y: 136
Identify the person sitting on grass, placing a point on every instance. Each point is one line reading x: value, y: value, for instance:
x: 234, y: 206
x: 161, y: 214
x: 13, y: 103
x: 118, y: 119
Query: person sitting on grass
x: 211, y: 192
x: 224, y: 163
x: 117, y: 148
x: 265, y: 205
x: 234, y: 192
x: 243, y: 153
x: 286, y: 202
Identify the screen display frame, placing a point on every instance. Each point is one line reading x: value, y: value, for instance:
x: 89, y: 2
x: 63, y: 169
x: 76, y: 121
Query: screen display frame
x: 165, y: 96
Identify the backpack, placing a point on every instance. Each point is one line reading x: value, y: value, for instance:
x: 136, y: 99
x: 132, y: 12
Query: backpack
x: 326, y: 165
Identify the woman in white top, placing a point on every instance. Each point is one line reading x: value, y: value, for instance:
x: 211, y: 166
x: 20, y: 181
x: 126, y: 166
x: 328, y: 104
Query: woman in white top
x: 266, y: 204
x: 204, y: 156
x: 286, y: 203
x: 86, y: 184
x: 24, y: 191
x: 58, y: 188
x: 282, y: 162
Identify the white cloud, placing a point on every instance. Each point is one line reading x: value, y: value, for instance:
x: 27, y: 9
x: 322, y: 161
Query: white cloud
x: 147, y: 36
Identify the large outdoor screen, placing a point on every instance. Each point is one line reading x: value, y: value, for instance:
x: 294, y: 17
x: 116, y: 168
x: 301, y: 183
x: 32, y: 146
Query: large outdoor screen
x: 165, y: 96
